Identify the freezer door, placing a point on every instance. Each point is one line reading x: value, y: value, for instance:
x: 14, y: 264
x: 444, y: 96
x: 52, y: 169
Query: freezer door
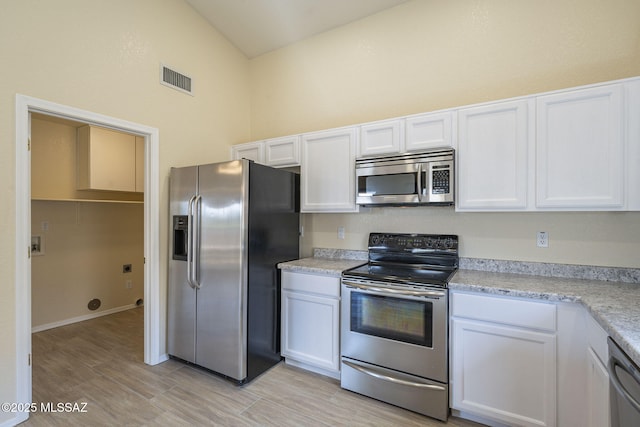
x: 222, y: 297
x: 181, y: 298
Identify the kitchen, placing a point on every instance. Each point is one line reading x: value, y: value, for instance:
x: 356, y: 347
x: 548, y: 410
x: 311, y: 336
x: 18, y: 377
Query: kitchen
x: 358, y: 73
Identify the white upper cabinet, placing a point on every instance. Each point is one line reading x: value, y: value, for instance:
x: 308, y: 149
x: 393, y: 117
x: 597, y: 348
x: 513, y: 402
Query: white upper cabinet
x: 379, y: 138
x: 409, y: 134
x: 570, y: 150
x: 250, y: 151
x: 428, y: 131
x: 580, y: 149
x: 282, y: 152
x: 492, y: 156
x: 632, y: 119
x: 276, y: 152
x: 327, y: 171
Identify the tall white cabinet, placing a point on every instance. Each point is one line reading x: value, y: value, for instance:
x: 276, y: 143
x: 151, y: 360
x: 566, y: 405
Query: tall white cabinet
x: 493, y: 155
x: 327, y: 171
x: 580, y: 149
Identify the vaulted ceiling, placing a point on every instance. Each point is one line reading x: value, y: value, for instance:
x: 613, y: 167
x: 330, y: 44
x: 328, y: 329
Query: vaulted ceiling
x: 259, y: 26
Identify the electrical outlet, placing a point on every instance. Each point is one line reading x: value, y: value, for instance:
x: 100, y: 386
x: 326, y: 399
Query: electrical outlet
x: 341, y: 233
x: 543, y: 239
x: 128, y: 284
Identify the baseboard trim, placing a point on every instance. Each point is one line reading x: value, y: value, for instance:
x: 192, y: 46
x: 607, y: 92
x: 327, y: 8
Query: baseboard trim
x: 65, y: 322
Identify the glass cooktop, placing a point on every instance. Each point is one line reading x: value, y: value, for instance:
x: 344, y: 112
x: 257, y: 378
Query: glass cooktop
x: 402, y: 274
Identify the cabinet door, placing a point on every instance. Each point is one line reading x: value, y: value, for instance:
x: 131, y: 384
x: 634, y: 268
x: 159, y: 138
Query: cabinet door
x: 310, y: 326
x: 428, y: 131
x: 380, y: 138
x: 580, y: 149
x: 632, y: 118
x: 492, y: 155
x: 106, y: 160
x: 282, y: 152
x: 597, y: 391
x: 250, y: 151
x: 327, y: 171
x: 504, y: 373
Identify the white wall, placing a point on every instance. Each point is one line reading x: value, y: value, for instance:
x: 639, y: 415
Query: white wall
x: 426, y: 55
x: 104, y: 56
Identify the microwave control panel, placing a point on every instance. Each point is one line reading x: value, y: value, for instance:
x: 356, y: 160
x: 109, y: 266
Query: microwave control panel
x: 440, y: 179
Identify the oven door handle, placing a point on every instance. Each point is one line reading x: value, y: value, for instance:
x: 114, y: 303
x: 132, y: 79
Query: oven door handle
x: 415, y: 293
x: 392, y: 379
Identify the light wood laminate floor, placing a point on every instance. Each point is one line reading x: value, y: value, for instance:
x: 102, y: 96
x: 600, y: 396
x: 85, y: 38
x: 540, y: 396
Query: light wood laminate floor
x: 100, y: 362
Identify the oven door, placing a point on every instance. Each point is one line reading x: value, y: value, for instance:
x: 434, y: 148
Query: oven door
x: 404, y: 329
x: 390, y: 184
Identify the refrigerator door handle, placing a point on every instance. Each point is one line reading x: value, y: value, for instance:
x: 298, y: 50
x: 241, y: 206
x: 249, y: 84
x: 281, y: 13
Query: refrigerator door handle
x: 190, y: 242
x: 196, y: 243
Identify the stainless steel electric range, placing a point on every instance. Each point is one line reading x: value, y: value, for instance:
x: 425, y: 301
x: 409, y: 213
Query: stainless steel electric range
x: 394, y: 327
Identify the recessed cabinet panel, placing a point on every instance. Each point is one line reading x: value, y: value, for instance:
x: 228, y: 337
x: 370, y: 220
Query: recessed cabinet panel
x: 429, y: 131
x: 250, y: 151
x: 328, y: 171
x: 282, y: 151
x: 310, y: 322
x: 380, y: 138
x: 632, y: 118
x: 504, y: 373
x: 580, y: 149
x: 106, y: 160
x: 492, y: 156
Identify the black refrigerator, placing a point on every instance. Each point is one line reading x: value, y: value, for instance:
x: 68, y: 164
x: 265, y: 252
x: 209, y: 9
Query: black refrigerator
x: 231, y: 224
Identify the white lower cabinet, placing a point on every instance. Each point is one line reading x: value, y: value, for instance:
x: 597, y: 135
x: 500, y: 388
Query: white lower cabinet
x: 597, y: 376
x: 524, y: 362
x: 311, y: 322
x: 503, y: 359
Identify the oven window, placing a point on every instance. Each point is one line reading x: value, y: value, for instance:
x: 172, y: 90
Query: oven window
x: 393, y: 184
x: 393, y: 318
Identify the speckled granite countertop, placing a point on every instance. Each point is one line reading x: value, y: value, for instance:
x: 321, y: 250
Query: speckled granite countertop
x: 326, y: 266
x: 611, y: 295
x: 614, y: 305
x: 331, y: 262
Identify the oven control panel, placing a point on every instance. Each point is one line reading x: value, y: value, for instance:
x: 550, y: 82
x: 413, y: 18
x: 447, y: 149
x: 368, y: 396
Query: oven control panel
x: 411, y: 242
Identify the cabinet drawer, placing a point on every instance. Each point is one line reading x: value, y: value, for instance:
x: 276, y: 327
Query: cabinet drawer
x: 515, y: 312
x: 312, y: 283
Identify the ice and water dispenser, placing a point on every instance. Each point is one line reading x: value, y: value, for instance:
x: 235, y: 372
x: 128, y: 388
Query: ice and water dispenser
x: 180, y: 238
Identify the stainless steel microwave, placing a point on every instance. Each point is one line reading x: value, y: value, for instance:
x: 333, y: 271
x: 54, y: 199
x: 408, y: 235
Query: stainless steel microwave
x: 425, y: 178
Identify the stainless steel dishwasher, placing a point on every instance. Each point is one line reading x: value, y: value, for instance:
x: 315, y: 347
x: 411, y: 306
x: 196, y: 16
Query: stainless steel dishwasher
x: 624, y: 378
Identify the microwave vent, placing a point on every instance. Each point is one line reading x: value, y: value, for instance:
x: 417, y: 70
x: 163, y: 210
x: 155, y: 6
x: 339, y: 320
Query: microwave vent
x: 176, y: 80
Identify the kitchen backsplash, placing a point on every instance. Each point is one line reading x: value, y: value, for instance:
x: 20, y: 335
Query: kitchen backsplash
x: 589, y: 272
x: 609, y: 274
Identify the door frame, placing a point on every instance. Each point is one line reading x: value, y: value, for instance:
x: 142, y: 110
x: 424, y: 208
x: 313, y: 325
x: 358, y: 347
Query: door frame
x: 154, y: 320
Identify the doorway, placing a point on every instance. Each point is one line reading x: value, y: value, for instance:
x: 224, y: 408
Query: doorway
x: 154, y: 320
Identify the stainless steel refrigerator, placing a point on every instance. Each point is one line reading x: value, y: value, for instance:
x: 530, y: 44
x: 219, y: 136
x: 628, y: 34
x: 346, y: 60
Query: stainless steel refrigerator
x: 231, y: 224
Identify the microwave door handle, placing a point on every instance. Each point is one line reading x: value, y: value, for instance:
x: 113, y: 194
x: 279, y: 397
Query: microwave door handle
x: 419, y: 182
